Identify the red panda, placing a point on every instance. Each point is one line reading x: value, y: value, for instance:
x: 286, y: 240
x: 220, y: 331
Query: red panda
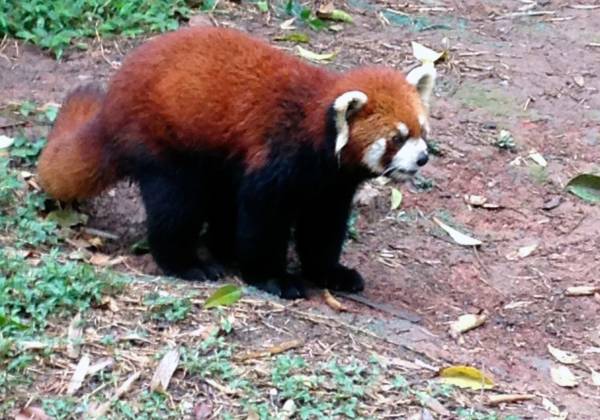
x: 220, y: 128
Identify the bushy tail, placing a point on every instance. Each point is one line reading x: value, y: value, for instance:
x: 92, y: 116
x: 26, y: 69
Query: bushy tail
x: 75, y: 162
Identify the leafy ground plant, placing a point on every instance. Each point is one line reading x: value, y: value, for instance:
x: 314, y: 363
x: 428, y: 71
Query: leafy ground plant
x: 54, y: 25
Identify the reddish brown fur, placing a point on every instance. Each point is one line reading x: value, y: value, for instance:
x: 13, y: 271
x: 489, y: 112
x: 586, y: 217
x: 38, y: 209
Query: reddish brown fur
x: 212, y: 89
x: 72, y: 165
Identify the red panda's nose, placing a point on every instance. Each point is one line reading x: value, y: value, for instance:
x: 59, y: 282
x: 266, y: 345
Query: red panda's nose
x: 422, y: 159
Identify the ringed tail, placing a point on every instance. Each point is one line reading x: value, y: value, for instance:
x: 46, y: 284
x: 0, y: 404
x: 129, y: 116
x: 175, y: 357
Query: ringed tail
x: 75, y: 163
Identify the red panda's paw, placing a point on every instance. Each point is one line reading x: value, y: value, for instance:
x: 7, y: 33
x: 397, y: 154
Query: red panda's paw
x: 286, y: 287
x: 203, y: 272
x: 342, y: 279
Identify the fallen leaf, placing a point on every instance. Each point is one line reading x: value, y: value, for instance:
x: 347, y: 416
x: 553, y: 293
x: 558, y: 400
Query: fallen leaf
x: 550, y: 407
x: 579, y: 81
x: 100, y: 365
x: 288, y: 409
x: 434, y: 405
x: 466, y: 377
x: 293, y: 37
x: 97, y: 411
x: 475, y: 200
x: 6, y: 142
x: 562, y: 376
x: 522, y: 252
x: 67, y: 218
x: 508, y: 398
x: 288, y: 24
x: 277, y: 349
x: 332, y: 302
x: 224, y: 296
x: 396, y: 198
x: 425, y: 54
x: 538, y: 158
x: 458, y: 237
x: 74, y: 334
x: 466, y: 323
x: 562, y: 356
x: 586, y: 187
x: 582, y: 290
x: 81, y: 371
x: 552, y: 202
x: 327, y: 11
x: 595, y: 378
x: 32, y: 413
x: 164, y: 371
x: 519, y: 304
x: 313, y: 56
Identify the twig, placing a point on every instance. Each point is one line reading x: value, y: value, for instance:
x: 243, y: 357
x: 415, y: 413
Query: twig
x: 408, y: 316
x: 530, y: 13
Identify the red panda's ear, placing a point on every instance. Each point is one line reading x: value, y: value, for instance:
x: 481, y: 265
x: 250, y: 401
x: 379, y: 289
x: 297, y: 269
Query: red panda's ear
x: 344, y: 106
x: 423, y: 78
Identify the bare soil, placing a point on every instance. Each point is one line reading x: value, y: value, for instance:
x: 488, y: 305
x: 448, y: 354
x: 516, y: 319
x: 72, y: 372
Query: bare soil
x: 535, y: 76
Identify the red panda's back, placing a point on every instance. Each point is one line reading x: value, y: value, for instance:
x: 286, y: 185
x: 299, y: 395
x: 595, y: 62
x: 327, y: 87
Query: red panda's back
x: 203, y: 88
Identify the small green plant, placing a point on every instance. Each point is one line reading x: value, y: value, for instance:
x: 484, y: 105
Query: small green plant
x: 167, y: 307
x: 304, y: 14
x: 55, y: 25
x: 422, y: 183
x: 26, y: 151
x: 505, y: 141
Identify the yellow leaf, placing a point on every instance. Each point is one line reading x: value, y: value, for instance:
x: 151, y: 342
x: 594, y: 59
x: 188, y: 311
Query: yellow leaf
x: 396, y: 198
x: 466, y: 323
x: 424, y: 54
x: 466, y: 377
x: 313, y: 56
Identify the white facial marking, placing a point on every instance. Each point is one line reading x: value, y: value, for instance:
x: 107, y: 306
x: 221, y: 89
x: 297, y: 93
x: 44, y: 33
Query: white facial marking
x: 352, y: 100
x: 405, y: 160
x: 373, y: 155
x: 402, y: 129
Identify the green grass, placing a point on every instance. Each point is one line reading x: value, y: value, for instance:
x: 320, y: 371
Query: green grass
x: 37, y: 284
x: 54, y: 25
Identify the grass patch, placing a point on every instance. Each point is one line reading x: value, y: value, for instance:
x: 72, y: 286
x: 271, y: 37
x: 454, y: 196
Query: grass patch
x: 55, y: 25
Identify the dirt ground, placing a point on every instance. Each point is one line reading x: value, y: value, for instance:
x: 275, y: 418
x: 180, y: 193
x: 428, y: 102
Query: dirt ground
x: 535, y: 76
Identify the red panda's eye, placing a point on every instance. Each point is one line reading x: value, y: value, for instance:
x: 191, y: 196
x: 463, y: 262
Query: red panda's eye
x: 398, y: 139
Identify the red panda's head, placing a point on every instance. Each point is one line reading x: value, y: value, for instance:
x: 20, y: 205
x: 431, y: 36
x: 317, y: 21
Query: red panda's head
x: 382, y: 120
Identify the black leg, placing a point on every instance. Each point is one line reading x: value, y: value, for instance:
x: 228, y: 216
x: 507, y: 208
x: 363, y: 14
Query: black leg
x: 222, y: 225
x: 263, y: 231
x: 174, y: 219
x: 320, y: 234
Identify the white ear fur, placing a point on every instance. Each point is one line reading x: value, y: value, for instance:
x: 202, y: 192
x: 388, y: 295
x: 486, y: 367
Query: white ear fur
x: 423, y: 78
x: 344, y: 104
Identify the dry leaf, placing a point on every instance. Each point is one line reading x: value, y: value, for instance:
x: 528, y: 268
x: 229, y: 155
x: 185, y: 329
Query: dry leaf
x: 582, y: 290
x: 550, y: 407
x: 435, y: 405
x: 466, y: 323
x: 579, y: 81
x: 562, y: 376
x: 79, y: 375
x: 100, y: 365
x: 279, y: 348
x: 538, y: 158
x: 164, y: 371
x: 6, y: 142
x: 424, y: 54
x: 562, y: 356
x: 458, y: 237
x: 288, y: 409
x: 32, y: 413
x: 313, y: 56
x: 95, y: 412
x: 475, y: 200
x: 508, y: 398
x: 74, y: 335
x: 332, y: 302
x: 466, y: 377
x: 595, y: 378
x: 522, y: 252
x: 518, y: 304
